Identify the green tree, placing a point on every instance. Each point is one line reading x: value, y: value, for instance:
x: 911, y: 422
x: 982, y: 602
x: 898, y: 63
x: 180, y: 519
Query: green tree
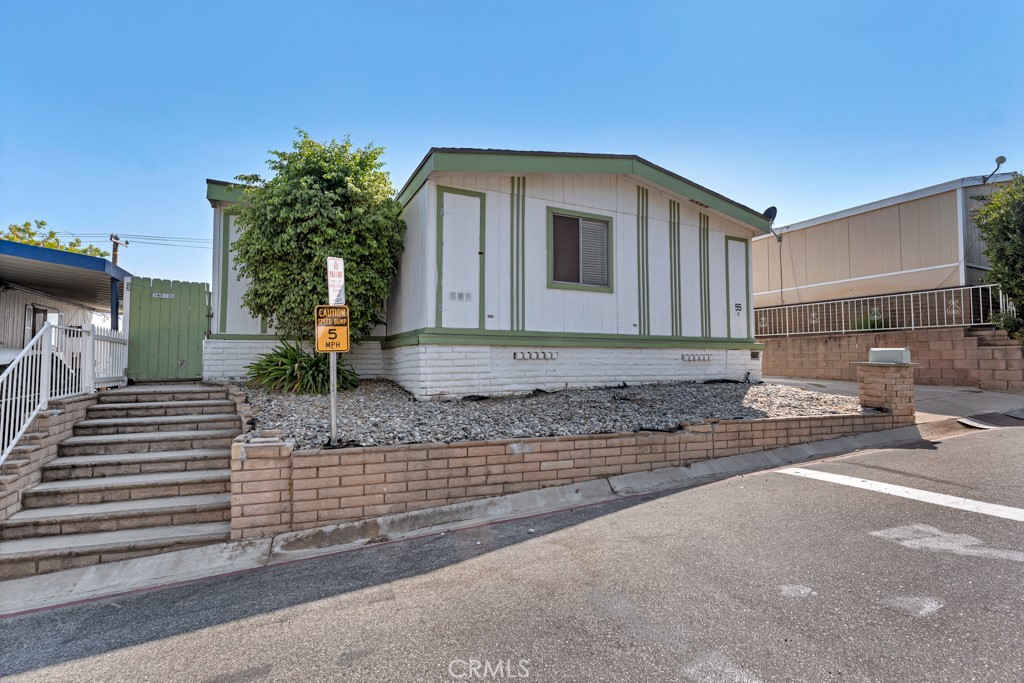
x: 40, y: 236
x: 324, y: 200
x: 1000, y: 219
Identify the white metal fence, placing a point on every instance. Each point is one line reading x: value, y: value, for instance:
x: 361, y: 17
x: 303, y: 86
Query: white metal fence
x: 59, y: 362
x: 954, y: 307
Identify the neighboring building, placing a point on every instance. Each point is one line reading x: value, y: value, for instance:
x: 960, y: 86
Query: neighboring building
x: 539, y: 270
x: 40, y: 285
x: 921, y: 240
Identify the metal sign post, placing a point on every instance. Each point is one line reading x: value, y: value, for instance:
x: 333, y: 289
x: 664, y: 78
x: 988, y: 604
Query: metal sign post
x: 332, y: 330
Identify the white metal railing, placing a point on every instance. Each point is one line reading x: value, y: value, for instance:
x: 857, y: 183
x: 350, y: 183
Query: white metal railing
x: 954, y: 307
x: 59, y: 362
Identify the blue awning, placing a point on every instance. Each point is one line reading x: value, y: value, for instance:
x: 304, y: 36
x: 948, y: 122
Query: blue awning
x: 93, y: 282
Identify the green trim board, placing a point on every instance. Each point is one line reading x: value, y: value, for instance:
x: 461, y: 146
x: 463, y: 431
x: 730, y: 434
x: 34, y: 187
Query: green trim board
x: 705, y: 277
x: 642, y: 263
x: 517, y: 252
x: 552, y: 284
x: 518, y: 162
x: 225, y: 266
x: 746, y: 279
x: 439, y: 246
x: 221, y: 191
x: 675, y: 266
x: 470, y: 337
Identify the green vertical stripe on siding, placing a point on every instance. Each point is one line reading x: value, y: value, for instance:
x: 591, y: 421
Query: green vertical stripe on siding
x: 675, y: 278
x: 517, y: 230
x: 642, y: 261
x: 225, y: 266
x: 705, y: 275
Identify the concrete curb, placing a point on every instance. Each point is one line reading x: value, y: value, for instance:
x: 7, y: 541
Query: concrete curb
x: 106, y: 580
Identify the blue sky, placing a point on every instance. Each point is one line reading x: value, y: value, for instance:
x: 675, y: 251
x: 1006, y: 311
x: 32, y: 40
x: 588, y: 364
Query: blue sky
x: 114, y: 114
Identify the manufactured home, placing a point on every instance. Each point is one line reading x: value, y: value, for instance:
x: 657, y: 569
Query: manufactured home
x: 538, y: 270
x: 917, y: 241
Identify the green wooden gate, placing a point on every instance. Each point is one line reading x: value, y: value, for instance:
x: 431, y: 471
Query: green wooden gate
x: 167, y: 322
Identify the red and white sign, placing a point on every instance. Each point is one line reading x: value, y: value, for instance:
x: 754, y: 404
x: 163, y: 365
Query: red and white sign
x: 335, y: 281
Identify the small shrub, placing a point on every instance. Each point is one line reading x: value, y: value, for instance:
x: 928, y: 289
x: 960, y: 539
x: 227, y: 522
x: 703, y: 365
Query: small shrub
x: 291, y: 368
x: 1012, y: 323
x: 866, y: 322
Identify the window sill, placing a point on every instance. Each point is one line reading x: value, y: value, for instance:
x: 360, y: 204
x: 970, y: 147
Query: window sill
x: 607, y: 289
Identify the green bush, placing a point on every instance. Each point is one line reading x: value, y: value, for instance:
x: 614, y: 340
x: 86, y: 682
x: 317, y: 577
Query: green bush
x: 1013, y: 324
x: 865, y: 322
x: 291, y: 368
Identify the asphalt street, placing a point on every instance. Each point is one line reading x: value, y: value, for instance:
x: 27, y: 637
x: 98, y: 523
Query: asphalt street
x: 766, y: 577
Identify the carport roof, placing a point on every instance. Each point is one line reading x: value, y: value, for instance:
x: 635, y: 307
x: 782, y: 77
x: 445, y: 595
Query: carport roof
x: 63, y: 274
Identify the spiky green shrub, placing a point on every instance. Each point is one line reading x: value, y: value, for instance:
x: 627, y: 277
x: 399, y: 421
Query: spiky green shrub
x: 289, y: 367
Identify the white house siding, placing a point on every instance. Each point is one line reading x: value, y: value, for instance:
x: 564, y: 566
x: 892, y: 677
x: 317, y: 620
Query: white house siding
x: 227, y: 358
x: 559, y: 310
x: 412, y: 300
x: 229, y: 317
x: 12, y: 314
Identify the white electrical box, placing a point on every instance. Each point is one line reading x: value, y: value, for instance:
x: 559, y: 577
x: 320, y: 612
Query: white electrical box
x: 896, y: 356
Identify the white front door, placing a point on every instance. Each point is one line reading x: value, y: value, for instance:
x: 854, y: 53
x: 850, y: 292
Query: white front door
x: 460, y: 263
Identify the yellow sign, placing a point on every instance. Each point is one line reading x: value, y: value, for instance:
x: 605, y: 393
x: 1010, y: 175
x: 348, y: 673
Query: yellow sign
x: 332, y: 329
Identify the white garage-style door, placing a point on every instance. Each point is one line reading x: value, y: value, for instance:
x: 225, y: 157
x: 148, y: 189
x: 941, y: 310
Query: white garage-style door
x: 461, y: 231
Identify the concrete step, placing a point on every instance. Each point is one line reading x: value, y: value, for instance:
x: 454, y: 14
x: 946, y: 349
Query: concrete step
x: 997, y: 341
x: 148, y: 442
x: 126, y: 487
x: 85, y: 466
x: 128, y: 514
x: 157, y: 408
x: 52, y: 553
x: 150, y: 393
x: 162, y: 423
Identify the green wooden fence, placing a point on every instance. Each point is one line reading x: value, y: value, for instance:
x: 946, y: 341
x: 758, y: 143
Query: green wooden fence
x: 167, y: 322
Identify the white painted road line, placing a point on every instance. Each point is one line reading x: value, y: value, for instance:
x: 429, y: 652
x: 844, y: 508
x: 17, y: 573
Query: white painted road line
x: 1003, y: 511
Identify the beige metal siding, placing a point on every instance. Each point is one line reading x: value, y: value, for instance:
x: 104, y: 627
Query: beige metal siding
x: 909, y: 246
x: 974, y: 245
x: 12, y: 314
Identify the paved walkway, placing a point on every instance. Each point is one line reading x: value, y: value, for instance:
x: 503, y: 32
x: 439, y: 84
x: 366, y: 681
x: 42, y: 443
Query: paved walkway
x: 933, y: 403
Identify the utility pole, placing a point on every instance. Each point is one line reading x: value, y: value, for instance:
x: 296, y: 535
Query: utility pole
x: 116, y: 241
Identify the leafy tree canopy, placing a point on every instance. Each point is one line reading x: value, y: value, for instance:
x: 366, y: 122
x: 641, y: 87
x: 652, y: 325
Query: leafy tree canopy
x: 40, y: 236
x: 1000, y: 219
x: 324, y: 200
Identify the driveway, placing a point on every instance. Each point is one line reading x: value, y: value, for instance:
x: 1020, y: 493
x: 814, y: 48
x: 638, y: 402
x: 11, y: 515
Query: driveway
x: 894, y: 565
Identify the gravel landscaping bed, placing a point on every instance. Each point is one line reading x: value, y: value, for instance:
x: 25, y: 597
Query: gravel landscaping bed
x: 381, y: 413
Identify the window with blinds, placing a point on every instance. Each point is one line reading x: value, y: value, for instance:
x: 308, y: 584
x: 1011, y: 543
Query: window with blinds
x: 579, y: 251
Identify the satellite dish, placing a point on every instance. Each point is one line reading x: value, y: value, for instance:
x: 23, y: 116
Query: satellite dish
x: 770, y: 213
x: 1000, y: 160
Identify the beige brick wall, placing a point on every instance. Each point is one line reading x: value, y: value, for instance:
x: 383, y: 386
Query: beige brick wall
x: 275, y: 489
x: 25, y: 468
x: 945, y: 356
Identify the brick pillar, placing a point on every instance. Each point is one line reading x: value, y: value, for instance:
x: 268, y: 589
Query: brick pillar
x: 889, y: 386
x: 261, y: 486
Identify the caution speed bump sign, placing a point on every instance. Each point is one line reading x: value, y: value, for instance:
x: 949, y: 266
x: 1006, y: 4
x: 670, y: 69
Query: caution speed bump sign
x: 332, y: 334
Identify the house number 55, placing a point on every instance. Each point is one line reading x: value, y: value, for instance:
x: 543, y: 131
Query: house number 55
x: 739, y: 309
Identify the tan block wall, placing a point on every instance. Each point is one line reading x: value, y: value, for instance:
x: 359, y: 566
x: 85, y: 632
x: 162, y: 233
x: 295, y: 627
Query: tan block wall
x: 53, y: 426
x: 945, y: 356
x: 274, y: 489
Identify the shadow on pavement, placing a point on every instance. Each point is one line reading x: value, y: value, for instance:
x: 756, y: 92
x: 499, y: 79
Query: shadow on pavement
x: 65, y: 634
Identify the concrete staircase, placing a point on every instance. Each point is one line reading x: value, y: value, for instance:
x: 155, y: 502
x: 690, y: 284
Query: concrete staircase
x: 147, y: 471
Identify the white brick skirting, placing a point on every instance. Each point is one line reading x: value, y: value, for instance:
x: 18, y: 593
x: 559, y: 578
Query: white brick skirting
x: 437, y: 371
x: 228, y: 358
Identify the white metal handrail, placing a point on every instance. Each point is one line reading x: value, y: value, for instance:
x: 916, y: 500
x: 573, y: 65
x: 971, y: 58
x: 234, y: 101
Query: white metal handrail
x: 953, y: 307
x: 59, y: 362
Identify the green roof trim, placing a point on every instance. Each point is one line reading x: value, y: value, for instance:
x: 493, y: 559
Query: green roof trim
x: 222, y: 191
x: 460, y: 160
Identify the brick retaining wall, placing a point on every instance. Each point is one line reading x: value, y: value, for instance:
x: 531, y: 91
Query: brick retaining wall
x: 945, y: 356
x: 25, y: 466
x: 274, y: 489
